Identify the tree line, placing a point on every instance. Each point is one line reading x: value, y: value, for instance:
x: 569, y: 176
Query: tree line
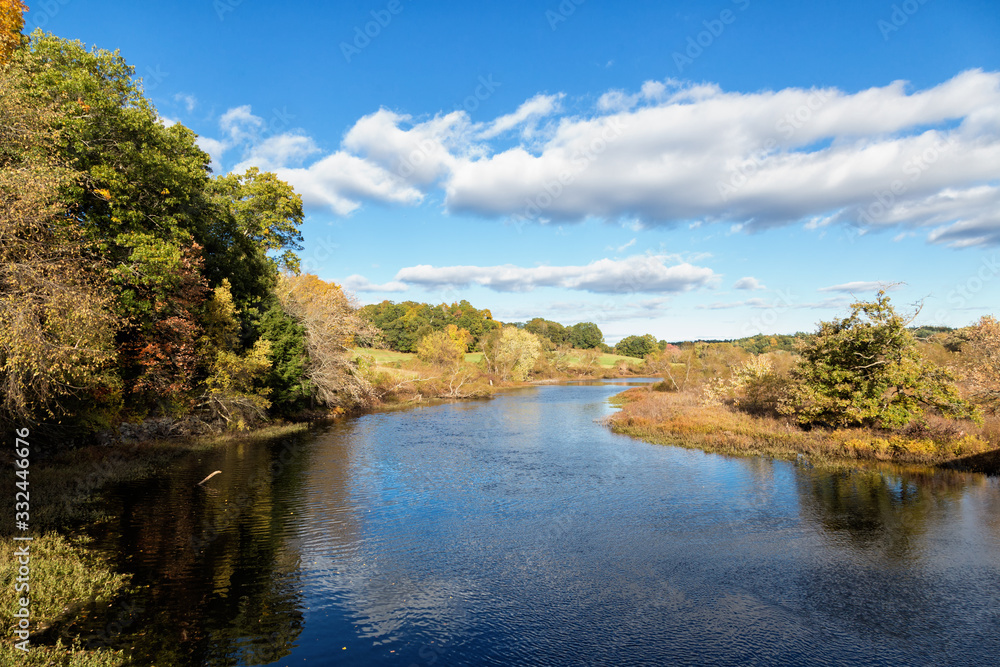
x: 135, y: 283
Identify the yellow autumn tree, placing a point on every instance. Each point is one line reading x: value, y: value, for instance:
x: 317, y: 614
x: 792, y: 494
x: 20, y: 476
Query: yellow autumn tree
x: 56, y: 330
x: 232, y: 392
x: 445, y: 348
x: 981, y: 362
x: 11, y: 24
x: 333, y: 328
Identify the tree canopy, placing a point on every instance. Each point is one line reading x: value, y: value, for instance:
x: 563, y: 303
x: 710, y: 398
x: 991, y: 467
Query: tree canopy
x: 865, y: 369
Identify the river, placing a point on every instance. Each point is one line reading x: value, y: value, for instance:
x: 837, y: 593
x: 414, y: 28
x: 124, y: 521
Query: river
x: 520, y: 531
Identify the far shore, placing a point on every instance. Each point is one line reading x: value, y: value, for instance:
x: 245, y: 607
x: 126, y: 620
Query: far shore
x: 679, y: 419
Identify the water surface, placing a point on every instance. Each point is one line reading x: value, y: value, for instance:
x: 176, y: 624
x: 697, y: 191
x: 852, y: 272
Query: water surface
x: 521, y: 531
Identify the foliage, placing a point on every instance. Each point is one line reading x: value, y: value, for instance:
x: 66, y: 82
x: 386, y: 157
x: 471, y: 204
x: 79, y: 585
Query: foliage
x: 637, y: 346
x: 585, y: 335
x: 291, y: 390
x: 510, y: 353
x: 113, y: 236
x: 56, y: 336
x: 446, y: 348
x: 63, y: 576
x: 332, y: 326
x: 404, y: 325
x: 254, y: 214
x: 554, y: 332
x: 865, y: 370
x: 981, y: 362
x: 11, y: 24
x: 763, y: 343
x: 234, y: 391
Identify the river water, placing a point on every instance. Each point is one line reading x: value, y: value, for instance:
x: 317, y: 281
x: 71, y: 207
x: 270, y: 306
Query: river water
x: 520, y: 531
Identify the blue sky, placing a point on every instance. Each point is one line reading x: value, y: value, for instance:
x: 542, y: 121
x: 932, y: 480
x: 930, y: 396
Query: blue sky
x: 686, y: 169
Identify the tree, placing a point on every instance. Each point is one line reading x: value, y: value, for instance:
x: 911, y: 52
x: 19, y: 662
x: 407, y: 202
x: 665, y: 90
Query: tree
x: 636, y: 346
x: 553, y: 331
x: 56, y: 334
x: 585, y: 335
x: 981, y: 362
x: 331, y: 325
x: 510, y: 353
x: 445, y: 348
x: 252, y: 233
x: 865, y: 369
x: 11, y: 24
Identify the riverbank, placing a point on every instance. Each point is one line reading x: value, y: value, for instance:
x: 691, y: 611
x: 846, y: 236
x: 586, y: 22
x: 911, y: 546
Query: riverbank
x: 67, y: 577
x: 680, y: 419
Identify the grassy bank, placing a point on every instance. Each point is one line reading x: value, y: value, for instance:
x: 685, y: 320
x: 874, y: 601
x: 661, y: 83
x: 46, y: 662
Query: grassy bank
x: 680, y: 419
x: 67, y: 578
x: 401, y: 378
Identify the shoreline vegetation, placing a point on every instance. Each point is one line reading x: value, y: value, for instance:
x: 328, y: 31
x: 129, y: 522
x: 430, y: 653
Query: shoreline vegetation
x: 684, y: 420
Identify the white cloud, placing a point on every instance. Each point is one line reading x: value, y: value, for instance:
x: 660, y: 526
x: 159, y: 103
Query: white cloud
x: 639, y: 273
x: 189, y: 101
x: 679, y: 153
x: 215, y: 148
x: 342, y: 181
x: 861, y: 286
x: 278, y: 152
x: 626, y: 246
x: 358, y: 283
x: 749, y: 283
x: 240, y: 124
x: 420, y: 154
x: 776, y: 304
x: 527, y: 114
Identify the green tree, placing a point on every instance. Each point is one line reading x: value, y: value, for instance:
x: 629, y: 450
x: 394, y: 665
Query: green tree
x: 585, y: 335
x: 252, y: 233
x: 553, y: 331
x: 637, y: 346
x: 288, y: 382
x: 865, y: 369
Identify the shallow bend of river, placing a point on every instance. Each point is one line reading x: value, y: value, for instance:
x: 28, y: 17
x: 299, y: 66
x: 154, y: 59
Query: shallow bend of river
x: 521, y: 531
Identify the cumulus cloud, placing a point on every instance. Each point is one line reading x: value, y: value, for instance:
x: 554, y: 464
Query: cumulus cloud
x: 861, y: 286
x: 679, y: 153
x: 341, y: 182
x: 639, y: 273
x: 749, y: 283
x: 526, y: 116
x: 278, y: 152
x: 358, y: 283
x: 754, y: 160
